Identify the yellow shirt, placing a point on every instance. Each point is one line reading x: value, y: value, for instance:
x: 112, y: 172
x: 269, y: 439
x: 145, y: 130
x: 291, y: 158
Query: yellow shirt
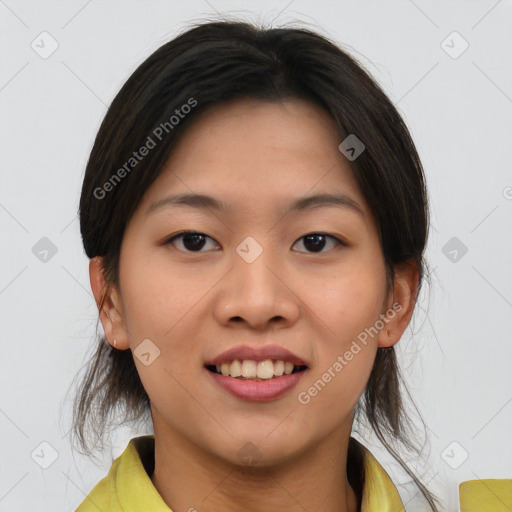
x: 128, y: 487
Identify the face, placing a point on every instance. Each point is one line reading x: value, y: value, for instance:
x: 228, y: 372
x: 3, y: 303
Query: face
x: 255, y: 272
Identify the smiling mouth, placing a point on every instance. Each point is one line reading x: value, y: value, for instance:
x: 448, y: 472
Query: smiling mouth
x: 251, y: 372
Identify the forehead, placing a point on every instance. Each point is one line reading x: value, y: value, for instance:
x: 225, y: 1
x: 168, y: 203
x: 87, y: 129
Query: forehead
x: 250, y: 151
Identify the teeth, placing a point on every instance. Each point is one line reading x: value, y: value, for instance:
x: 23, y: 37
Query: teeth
x: 249, y: 369
x: 265, y: 369
x: 278, y: 368
x: 235, y: 370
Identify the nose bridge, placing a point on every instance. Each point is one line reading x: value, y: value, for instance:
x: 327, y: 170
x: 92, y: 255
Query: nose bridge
x: 254, y: 291
x: 252, y: 266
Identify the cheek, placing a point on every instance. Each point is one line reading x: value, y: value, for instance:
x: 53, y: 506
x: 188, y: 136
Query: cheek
x: 350, y: 301
x: 161, y: 304
x: 348, y: 306
x: 160, y: 307
x: 330, y: 396
x: 156, y: 296
x: 345, y: 352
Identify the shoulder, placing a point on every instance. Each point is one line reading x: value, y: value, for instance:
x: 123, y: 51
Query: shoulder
x: 376, y: 490
x: 103, y: 496
x: 486, y: 495
x: 127, y: 486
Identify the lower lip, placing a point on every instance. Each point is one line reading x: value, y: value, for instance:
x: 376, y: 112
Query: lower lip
x: 260, y: 391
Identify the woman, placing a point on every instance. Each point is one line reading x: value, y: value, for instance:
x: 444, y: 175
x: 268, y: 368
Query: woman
x: 256, y: 216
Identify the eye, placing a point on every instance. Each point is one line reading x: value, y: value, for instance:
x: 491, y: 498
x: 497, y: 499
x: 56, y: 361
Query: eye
x: 317, y: 241
x: 191, y: 240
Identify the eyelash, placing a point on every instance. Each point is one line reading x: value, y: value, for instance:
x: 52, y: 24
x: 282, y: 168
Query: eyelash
x: 184, y: 233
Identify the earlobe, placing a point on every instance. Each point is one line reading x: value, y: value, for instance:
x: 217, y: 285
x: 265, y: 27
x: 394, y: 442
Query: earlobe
x: 400, y: 304
x: 108, y: 303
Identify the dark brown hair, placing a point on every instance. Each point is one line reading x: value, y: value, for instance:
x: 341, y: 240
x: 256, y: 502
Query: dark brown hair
x: 213, y: 63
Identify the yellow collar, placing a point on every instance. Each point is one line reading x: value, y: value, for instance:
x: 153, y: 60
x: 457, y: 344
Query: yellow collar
x: 128, y: 488
x: 379, y: 492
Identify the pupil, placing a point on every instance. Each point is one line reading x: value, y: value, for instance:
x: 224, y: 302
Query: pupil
x: 316, y: 246
x: 195, y: 238
x: 196, y: 241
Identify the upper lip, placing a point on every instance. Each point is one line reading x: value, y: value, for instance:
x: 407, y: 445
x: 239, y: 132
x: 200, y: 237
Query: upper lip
x: 257, y: 354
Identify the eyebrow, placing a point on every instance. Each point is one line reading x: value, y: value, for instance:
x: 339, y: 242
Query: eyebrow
x: 204, y: 202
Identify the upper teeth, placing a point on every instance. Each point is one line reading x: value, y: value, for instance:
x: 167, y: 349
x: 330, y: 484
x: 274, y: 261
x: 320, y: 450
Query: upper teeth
x: 252, y: 369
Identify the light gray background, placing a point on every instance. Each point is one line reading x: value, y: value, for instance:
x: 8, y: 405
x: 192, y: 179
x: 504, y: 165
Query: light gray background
x: 459, y: 111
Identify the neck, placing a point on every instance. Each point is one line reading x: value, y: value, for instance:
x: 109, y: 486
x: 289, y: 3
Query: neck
x: 189, y: 478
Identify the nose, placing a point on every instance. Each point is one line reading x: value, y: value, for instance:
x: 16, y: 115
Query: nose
x: 258, y: 294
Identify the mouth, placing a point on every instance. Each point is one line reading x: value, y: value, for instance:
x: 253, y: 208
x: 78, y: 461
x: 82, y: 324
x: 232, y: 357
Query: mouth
x: 256, y: 371
x: 257, y: 374
x: 254, y: 381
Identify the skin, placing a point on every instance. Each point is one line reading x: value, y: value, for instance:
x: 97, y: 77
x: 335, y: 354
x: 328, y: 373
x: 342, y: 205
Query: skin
x: 257, y: 157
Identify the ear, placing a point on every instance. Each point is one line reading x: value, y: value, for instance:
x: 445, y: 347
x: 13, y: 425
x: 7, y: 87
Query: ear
x: 109, y: 305
x: 399, y: 304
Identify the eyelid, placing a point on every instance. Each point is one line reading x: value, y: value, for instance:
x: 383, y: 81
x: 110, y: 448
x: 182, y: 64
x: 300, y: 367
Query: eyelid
x: 339, y: 241
x: 170, y: 239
